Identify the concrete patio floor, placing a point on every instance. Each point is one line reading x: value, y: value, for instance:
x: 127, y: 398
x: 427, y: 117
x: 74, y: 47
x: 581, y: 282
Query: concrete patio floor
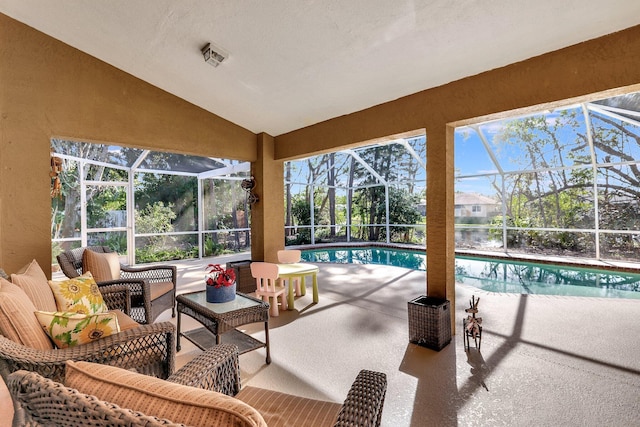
x: 545, y: 361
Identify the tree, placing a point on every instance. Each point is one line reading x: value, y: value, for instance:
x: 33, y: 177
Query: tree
x: 559, y: 190
x: 362, y: 174
x: 65, y: 210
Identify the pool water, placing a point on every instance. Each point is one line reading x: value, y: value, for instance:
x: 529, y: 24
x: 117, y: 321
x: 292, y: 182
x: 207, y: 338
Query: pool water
x: 368, y: 255
x: 494, y: 275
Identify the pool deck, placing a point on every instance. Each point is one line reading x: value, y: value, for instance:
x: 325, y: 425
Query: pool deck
x: 545, y: 360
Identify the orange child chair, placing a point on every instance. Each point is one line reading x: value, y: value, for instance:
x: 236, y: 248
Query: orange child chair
x: 267, y: 286
x: 291, y: 256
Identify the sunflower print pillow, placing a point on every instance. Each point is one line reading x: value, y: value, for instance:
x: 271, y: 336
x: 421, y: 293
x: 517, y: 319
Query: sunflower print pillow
x: 70, y: 329
x: 78, y: 295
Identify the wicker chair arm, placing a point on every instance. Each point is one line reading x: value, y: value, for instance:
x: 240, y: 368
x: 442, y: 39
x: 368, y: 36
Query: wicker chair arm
x: 46, y: 402
x: 135, y: 285
x: 139, y: 290
x: 116, y: 297
x: 216, y: 369
x: 364, y: 402
x: 153, y: 273
x: 144, y: 348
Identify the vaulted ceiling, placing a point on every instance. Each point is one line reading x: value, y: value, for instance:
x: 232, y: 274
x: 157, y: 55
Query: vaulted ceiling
x: 293, y: 63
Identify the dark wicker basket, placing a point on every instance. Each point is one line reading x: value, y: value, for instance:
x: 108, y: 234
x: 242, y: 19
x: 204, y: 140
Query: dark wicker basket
x: 429, y: 322
x: 245, y: 283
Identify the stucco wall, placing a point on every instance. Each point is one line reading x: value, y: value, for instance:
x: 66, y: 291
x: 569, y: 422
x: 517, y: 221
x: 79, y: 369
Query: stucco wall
x: 49, y: 89
x: 267, y: 216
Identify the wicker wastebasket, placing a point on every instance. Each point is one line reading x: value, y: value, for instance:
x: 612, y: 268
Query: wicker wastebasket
x: 245, y: 283
x: 429, y: 322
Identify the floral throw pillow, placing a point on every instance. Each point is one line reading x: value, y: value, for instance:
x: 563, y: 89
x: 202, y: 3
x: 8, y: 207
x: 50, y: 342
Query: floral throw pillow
x: 70, y: 329
x: 78, y: 295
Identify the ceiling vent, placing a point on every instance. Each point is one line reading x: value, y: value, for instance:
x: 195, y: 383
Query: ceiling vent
x: 214, y: 55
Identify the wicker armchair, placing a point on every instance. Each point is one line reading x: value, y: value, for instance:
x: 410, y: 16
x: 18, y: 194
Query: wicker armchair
x: 46, y: 402
x: 150, y: 349
x: 146, y: 302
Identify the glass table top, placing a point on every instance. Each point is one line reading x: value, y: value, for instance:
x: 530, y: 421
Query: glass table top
x: 238, y: 303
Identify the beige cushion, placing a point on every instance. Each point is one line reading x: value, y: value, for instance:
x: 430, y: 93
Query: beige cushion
x: 281, y: 409
x: 160, y: 288
x: 124, y: 322
x: 103, y: 266
x: 34, y: 283
x: 71, y: 329
x: 17, y: 321
x: 78, y: 295
x: 160, y: 398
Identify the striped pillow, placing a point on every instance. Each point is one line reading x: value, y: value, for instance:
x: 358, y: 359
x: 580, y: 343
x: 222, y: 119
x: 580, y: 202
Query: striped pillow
x: 103, y: 266
x: 160, y: 398
x: 35, y: 284
x: 281, y: 409
x: 17, y: 321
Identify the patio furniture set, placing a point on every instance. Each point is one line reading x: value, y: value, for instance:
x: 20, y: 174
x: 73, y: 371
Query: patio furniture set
x: 56, y: 375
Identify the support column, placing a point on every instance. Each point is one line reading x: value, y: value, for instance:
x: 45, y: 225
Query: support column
x: 440, y: 215
x: 267, y: 215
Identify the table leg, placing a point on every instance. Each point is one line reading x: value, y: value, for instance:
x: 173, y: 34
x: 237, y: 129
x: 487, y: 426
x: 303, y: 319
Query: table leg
x: 178, y: 332
x: 290, y: 295
x: 303, y: 288
x: 315, y: 288
x: 266, y: 341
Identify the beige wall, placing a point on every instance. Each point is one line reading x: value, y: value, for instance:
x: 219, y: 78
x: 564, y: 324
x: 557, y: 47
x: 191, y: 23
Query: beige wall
x: 267, y: 215
x: 50, y: 89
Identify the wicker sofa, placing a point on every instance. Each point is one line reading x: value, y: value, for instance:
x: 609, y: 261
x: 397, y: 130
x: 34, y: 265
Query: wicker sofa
x: 197, y: 394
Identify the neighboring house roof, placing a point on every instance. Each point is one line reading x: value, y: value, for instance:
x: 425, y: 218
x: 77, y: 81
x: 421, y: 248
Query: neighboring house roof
x: 474, y: 199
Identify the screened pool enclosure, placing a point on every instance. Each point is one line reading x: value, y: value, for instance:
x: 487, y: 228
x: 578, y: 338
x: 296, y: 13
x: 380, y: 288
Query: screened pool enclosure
x: 151, y: 206
x: 562, y: 182
x: 374, y: 193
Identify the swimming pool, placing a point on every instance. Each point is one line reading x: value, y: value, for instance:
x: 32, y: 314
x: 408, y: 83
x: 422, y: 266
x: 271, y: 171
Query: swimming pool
x: 496, y: 275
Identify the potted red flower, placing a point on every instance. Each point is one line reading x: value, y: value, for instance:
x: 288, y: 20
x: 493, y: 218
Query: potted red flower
x: 221, y: 284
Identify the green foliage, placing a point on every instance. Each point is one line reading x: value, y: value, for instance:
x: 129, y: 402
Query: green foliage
x: 56, y: 250
x: 212, y: 248
x: 302, y: 238
x: 155, y: 218
x: 301, y: 211
x: 116, y: 241
x: 402, y: 210
x: 179, y: 192
x: 150, y: 254
x: 102, y: 201
x: 370, y: 206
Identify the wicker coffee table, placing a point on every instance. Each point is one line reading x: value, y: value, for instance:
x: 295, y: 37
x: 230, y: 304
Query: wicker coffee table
x: 221, y: 320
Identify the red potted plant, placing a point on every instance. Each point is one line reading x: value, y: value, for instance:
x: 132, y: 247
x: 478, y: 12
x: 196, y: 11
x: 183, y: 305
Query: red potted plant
x: 221, y: 284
